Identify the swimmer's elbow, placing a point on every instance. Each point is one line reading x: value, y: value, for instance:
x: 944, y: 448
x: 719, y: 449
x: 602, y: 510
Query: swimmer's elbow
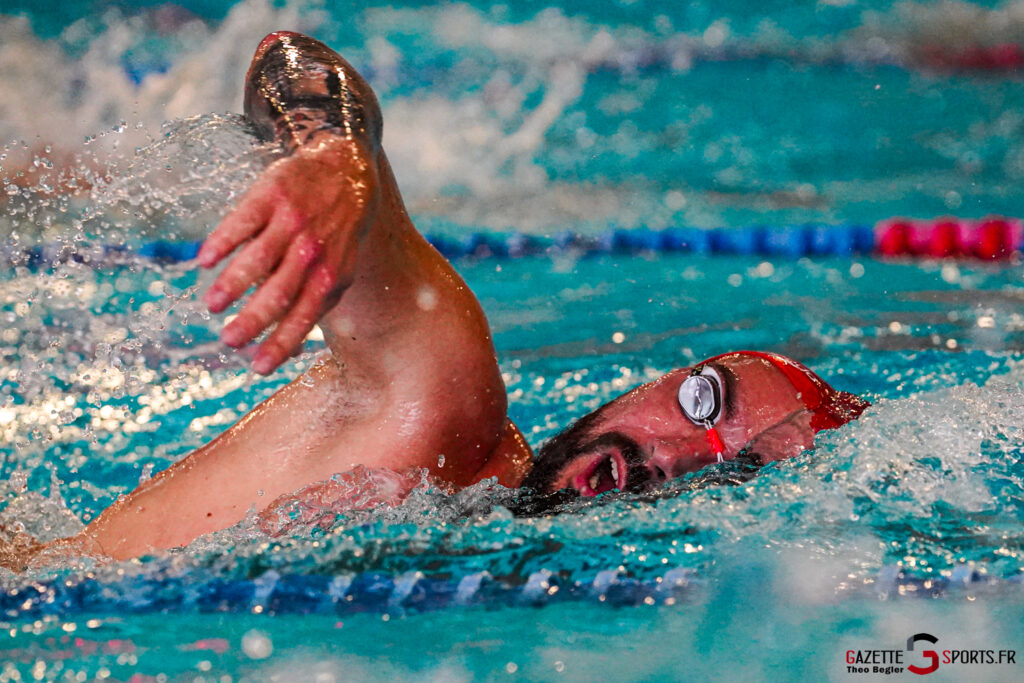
x: 298, y: 90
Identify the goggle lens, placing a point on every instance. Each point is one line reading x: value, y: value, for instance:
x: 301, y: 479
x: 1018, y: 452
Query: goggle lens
x: 697, y: 398
x: 700, y: 397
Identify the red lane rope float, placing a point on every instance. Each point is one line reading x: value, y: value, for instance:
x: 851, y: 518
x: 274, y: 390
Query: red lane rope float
x: 990, y: 239
x: 999, y: 57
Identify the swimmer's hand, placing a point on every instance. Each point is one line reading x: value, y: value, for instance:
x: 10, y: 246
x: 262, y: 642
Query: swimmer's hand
x: 301, y: 224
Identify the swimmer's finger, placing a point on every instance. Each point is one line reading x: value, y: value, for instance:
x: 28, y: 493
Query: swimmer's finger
x: 256, y: 260
x: 269, y: 303
x: 294, y: 327
x: 247, y: 219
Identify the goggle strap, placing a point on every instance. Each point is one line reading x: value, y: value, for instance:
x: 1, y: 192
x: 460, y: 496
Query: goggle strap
x: 714, y: 441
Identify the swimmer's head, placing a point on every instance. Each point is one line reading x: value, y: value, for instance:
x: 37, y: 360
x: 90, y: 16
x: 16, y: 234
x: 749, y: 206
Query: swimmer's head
x: 746, y: 404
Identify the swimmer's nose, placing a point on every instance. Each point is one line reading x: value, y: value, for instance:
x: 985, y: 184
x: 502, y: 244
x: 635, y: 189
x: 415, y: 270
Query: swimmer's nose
x: 668, y: 463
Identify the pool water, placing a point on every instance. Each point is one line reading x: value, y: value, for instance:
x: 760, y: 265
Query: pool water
x: 926, y: 484
x: 582, y: 115
x: 597, y: 114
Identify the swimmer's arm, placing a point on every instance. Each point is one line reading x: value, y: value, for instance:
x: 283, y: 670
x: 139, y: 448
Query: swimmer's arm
x: 298, y: 91
x: 323, y: 423
x: 291, y: 439
x: 304, y: 219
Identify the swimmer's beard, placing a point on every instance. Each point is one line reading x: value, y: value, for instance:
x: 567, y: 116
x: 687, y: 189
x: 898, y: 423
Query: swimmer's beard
x: 577, y: 441
x: 735, y: 472
x: 537, y: 496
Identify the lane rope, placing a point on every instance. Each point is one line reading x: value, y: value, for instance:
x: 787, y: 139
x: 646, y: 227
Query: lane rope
x: 990, y: 239
x: 414, y: 591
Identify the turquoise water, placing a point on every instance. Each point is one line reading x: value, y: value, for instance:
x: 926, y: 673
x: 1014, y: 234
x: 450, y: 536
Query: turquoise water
x: 928, y: 482
x: 582, y: 115
x: 592, y: 115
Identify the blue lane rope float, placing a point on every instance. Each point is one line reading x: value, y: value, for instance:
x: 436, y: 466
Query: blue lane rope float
x: 414, y: 591
x: 992, y: 238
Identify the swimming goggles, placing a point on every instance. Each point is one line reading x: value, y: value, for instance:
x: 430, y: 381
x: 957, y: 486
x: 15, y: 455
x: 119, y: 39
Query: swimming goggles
x: 700, y: 397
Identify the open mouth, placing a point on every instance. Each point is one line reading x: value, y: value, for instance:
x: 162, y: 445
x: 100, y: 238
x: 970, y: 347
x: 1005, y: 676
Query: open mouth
x: 606, y: 472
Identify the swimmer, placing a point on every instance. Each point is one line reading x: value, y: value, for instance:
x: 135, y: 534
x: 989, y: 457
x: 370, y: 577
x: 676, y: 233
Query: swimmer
x: 322, y: 237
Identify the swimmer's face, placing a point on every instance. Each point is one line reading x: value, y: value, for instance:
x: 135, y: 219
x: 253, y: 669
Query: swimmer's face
x: 644, y: 437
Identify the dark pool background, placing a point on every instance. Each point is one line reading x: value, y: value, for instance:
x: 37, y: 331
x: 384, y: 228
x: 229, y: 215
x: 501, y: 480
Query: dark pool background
x: 581, y: 117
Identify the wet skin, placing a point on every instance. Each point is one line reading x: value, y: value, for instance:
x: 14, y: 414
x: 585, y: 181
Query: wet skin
x: 643, y: 438
x: 323, y: 238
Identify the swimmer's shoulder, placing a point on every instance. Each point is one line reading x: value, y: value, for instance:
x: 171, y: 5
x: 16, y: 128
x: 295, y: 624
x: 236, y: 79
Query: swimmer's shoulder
x: 510, y: 461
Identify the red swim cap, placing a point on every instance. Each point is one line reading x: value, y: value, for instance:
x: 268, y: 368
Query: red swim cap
x: 829, y: 408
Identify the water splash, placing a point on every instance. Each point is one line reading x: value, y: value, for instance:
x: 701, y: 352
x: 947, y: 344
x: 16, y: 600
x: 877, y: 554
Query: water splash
x: 186, y: 179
